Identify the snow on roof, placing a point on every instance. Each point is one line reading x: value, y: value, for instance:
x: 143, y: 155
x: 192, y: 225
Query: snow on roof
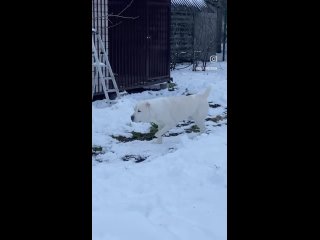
x: 190, y: 3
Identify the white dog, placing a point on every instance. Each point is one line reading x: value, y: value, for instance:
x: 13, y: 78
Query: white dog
x: 167, y: 112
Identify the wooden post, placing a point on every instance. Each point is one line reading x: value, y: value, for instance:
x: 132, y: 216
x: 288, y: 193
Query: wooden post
x: 219, y: 28
x: 224, y: 33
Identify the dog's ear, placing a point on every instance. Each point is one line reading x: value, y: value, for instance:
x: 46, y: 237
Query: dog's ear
x: 147, y: 104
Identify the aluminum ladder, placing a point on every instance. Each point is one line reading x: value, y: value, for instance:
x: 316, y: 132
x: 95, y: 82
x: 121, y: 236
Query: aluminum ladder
x: 101, y: 68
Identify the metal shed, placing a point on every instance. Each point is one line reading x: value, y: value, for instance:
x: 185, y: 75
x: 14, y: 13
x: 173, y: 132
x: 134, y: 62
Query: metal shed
x: 138, y: 40
x: 193, y: 29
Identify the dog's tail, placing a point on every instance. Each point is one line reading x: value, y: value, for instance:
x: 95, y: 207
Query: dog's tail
x: 207, y: 92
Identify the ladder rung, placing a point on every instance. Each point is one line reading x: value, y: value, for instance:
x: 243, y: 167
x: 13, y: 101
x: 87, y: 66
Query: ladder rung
x: 105, y: 78
x: 112, y: 90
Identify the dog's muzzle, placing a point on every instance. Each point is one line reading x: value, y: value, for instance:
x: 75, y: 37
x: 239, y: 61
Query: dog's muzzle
x: 132, y: 118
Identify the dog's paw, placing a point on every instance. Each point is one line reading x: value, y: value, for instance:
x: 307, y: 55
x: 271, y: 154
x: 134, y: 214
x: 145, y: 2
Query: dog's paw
x: 158, y: 140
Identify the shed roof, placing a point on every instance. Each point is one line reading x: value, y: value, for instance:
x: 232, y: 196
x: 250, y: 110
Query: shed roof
x: 190, y: 3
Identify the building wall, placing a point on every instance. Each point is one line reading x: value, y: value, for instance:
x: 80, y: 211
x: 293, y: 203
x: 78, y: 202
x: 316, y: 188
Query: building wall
x: 137, y: 42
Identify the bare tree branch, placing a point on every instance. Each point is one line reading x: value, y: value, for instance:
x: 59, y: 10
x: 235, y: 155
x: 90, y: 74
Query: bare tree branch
x: 115, y: 24
x: 125, y: 8
x: 119, y: 16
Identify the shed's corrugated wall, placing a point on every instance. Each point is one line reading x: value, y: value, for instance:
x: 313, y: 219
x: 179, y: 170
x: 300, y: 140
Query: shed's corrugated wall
x: 139, y: 49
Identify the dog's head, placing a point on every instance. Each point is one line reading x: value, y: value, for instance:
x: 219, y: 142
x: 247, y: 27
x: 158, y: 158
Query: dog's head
x: 142, y: 112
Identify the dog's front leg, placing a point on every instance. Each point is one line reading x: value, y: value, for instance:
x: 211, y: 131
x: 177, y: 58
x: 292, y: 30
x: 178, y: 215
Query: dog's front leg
x: 200, y: 123
x: 162, y: 131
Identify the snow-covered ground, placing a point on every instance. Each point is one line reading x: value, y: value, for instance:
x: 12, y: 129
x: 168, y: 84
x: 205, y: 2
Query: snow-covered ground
x: 179, y: 192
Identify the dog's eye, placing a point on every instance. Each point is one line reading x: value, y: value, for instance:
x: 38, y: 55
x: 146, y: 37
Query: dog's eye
x: 139, y: 111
